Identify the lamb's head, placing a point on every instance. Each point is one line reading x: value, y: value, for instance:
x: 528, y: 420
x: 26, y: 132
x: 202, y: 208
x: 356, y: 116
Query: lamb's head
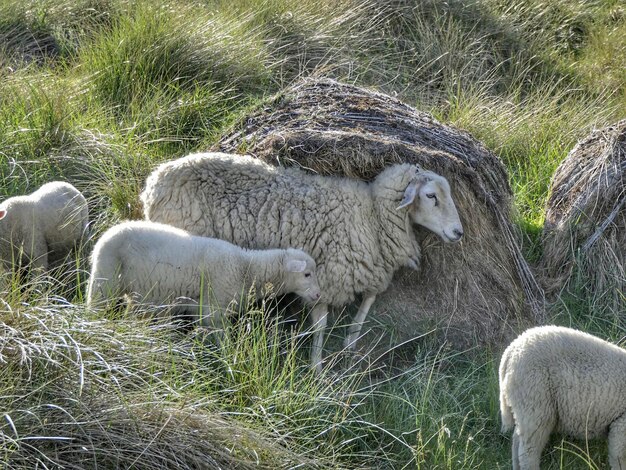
x: 430, y: 205
x: 300, y: 276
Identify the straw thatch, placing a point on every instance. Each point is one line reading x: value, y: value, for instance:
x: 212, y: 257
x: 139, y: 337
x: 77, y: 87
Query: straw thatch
x: 476, y: 291
x: 585, y: 229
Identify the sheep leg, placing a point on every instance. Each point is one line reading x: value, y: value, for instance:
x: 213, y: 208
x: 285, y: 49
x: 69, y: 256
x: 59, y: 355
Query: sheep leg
x: 354, y: 330
x: 104, y: 282
x: 515, y: 449
x: 531, y: 444
x: 40, y: 262
x: 617, y: 444
x: 38, y: 253
x: 213, y: 318
x: 319, y: 318
x: 213, y: 321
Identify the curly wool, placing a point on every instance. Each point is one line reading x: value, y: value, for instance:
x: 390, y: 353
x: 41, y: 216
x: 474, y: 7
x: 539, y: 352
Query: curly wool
x: 161, y: 264
x: 44, y: 225
x: 351, y: 228
x: 559, y: 379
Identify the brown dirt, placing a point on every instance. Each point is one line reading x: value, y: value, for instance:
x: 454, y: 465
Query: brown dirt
x: 480, y: 291
x: 584, y: 238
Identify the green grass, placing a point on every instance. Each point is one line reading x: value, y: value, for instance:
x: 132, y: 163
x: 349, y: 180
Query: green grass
x: 98, y: 92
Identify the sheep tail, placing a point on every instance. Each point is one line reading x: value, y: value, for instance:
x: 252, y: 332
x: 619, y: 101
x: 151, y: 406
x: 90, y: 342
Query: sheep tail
x: 104, y: 281
x: 506, y: 412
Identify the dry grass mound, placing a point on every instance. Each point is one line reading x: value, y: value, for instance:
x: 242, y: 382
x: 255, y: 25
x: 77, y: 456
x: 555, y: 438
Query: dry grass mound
x: 477, y: 291
x: 585, y: 229
x: 80, y: 393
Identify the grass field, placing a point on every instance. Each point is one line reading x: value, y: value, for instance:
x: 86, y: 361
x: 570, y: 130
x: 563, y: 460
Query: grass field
x: 97, y: 92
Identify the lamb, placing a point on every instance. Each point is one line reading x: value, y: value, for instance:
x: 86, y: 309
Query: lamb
x: 359, y: 233
x: 42, y: 226
x: 202, y: 277
x: 559, y: 379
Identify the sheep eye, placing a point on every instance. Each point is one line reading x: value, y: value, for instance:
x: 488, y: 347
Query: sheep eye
x: 307, y: 274
x: 431, y: 196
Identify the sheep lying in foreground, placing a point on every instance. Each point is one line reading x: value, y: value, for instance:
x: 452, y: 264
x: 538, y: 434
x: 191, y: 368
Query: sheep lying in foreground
x: 358, y: 233
x: 46, y: 224
x: 558, y: 379
x: 162, y: 264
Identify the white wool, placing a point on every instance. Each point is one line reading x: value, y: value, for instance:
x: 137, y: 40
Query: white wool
x: 160, y: 264
x: 358, y: 233
x: 45, y: 224
x: 556, y: 379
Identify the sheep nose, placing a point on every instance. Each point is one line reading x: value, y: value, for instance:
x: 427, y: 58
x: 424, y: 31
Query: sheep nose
x: 458, y: 232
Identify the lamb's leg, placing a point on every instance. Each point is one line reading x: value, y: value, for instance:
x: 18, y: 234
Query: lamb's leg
x: 319, y: 317
x: 104, y: 282
x: 213, y: 318
x: 38, y: 253
x: 531, y: 444
x: 354, y: 330
x: 40, y: 262
x: 515, y: 450
x: 617, y: 444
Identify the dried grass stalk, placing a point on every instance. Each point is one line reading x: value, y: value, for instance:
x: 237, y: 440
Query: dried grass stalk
x: 81, y: 393
x: 479, y: 290
x: 584, y: 236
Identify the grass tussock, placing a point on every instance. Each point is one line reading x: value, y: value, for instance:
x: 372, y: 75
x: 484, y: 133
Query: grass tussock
x: 74, y: 389
x: 82, y: 391
x: 152, y: 50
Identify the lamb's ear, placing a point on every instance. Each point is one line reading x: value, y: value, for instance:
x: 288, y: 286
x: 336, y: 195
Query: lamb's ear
x: 409, y: 195
x: 3, y: 212
x: 295, y: 265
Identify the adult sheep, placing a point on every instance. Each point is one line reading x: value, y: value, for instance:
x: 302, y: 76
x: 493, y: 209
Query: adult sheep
x: 200, y: 276
x: 559, y: 379
x: 43, y: 225
x: 359, y: 233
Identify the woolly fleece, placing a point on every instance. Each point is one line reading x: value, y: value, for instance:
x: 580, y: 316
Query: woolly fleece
x: 162, y: 264
x: 559, y: 379
x: 45, y: 224
x: 358, y: 233
x: 351, y: 228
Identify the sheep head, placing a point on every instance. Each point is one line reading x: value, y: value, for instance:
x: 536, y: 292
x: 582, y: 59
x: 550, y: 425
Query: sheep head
x: 430, y: 205
x: 300, y: 275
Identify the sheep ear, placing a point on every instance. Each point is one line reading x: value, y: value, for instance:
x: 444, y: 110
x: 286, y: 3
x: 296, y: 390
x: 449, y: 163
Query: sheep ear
x: 3, y: 212
x: 296, y: 266
x: 409, y: 195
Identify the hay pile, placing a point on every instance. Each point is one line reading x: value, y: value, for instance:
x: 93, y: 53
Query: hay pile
x: 477, y: 291
x: 584, y: 235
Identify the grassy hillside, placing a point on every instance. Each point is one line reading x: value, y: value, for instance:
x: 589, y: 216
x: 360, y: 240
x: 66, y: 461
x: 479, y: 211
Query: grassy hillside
x: 97, y: 92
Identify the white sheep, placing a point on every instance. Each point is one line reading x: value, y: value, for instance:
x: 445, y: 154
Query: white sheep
x: 41, y: 226
x: 358, y: 233
x: 200, y: 277
x: 563, y: 380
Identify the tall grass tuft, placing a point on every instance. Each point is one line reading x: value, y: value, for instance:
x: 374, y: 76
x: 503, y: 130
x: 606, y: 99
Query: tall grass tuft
x: 150, y: 50
x: 92, y: 392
